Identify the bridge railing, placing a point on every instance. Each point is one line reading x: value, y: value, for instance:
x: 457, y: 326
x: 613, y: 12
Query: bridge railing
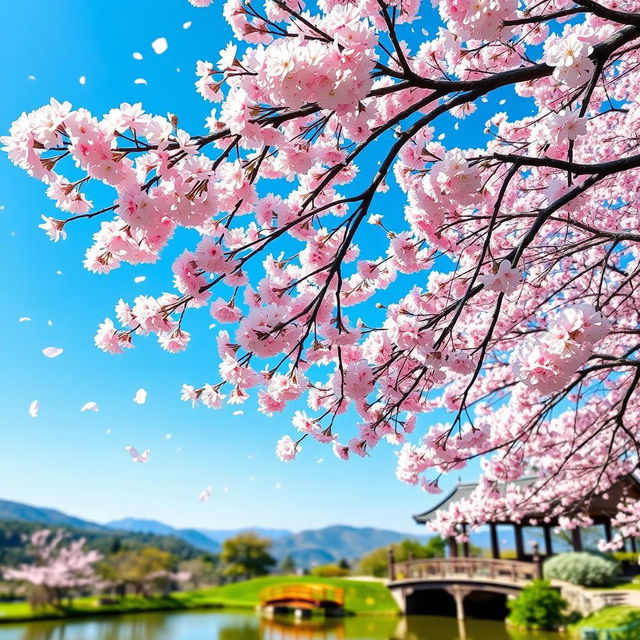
x: 465, y: 568
x: 317, y: 594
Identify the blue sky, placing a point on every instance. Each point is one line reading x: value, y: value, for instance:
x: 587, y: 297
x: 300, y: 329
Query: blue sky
x: 66, y: 459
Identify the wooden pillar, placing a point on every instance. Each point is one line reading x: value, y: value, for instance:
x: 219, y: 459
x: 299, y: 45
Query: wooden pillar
x: 517, y: 530
x: 466, y: 552
x: 453, y: 547
x: 392, y: 564
x: 458, y: 596
x: 576, y: 539
x: 548, y: 545
x: 607, y: 530
x: 537, y: 559
x: 495, y: 547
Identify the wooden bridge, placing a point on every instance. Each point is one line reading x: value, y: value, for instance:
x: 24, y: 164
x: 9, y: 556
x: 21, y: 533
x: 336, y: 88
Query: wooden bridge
x: 458, y: 577
x: 301, y: 597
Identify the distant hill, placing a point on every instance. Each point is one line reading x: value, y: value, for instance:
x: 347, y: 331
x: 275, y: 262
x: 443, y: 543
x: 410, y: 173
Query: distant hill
x: 207, y: 539
x: 194, y: 537
x: 331, y: 544
x: 308, y: 548
x: 142, y: 526
x: 18, y: 519
x: 26, y: 513
x: 13, y: 549
x: 220, y: 535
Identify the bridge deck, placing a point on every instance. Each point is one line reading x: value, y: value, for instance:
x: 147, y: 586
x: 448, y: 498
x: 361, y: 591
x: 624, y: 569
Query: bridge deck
x: 511, y: 572
x: 302, y: 596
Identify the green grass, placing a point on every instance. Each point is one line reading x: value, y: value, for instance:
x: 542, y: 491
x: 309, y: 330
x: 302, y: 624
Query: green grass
x: 369, y: 598
x: 624, y: 586
x: 360, y: 597
x: 607, y: 618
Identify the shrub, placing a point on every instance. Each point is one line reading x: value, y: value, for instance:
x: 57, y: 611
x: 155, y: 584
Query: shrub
x: 539, y: 606
x: 582, y: 568
x: 628, y: 560
x: 330, y: 571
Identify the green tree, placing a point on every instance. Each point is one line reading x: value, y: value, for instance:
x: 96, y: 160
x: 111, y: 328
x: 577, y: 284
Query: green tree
x: 288, y: 565
x: 376, y: 562
x: 246, y: 555
x: 539, y: 606
x: 204, y: 571
x: 330, y: 571
x: 135, y: 569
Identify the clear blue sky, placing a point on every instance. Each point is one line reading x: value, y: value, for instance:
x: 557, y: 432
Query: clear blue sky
x: 67, y: 460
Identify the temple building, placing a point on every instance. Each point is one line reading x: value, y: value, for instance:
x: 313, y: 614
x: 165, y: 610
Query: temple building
x: 601, y: 509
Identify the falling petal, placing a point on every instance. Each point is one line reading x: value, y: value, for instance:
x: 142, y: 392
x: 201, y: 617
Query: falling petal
x: 82, y: 79
x: 58, y: 272
x: 139, y: 279
x: 137, y: 55
x: 138, y: 457
x: 160, y: 45
x: 238, y: 413
x: 34, y: 407
x: 205, y: 494
x: 31, y: 77
x: 319, y: 460
x: 52, y: 352
x: 89, y: 406
x: 139, y: 81
x: 140, y: 397
x: 24, y: 319
x: 278, y: 485
x: 107, y: 431
x: 50, y: 323
x: 186, y: 25
x: 169, y: 436
x: 226, y: 490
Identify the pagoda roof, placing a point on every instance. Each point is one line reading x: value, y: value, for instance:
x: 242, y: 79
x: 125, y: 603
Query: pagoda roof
x: 601, y: 506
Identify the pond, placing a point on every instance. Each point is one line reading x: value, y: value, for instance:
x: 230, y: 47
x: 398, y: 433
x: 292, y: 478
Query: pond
x: 248, y: 626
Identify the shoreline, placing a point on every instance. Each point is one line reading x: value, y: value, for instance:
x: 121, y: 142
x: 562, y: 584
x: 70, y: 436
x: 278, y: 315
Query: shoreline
x: 363, y: 598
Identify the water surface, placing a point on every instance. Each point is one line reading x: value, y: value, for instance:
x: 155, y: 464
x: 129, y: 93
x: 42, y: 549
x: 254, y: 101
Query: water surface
x: 248, y: 626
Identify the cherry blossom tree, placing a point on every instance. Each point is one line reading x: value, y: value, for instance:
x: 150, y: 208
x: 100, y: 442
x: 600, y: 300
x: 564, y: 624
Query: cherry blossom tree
x: 56, y: 571
x: 513, y: 266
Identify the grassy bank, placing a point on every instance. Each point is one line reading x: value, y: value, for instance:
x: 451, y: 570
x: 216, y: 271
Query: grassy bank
x: 370, y: 598
x: 607, y: 618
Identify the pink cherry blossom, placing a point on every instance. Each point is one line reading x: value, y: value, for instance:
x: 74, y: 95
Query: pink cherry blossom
x: 136, y: 456
x: 52, y: 352
x: 475, y: 300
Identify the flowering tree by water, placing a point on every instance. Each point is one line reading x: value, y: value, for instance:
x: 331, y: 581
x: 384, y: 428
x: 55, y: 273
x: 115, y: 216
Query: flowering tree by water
x: 513, y: 265
x: 56, y: 571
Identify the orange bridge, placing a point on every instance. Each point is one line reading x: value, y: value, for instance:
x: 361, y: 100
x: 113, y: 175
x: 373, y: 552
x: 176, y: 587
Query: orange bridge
x: 302, y: 596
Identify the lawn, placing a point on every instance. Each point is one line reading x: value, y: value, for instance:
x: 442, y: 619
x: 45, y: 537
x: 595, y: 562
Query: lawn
x: 607, y: 618
x: 625, y: 586
x: 360, y: 597
x: 370, y: 598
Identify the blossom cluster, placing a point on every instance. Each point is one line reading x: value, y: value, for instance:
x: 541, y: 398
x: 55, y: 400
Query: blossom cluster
x: 56, y: 567
x: 510, y: 274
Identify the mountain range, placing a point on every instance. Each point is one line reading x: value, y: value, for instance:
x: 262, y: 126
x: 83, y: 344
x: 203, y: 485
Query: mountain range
x: 307, y: 548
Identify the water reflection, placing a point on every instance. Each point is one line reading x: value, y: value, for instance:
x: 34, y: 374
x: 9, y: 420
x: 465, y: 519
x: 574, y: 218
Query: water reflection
x: 247, y: 626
